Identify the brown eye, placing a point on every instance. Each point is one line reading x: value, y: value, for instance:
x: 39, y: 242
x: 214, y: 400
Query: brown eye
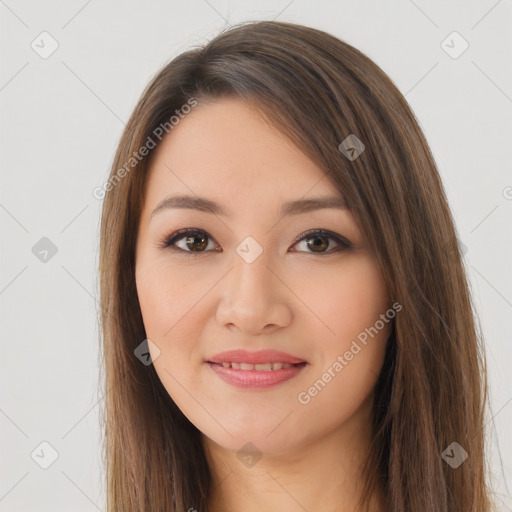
x: 196, y: 242
x: 192, y: 241
x: 318, y: 241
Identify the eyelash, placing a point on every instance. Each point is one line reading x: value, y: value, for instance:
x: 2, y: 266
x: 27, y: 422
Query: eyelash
x: 168, y: 242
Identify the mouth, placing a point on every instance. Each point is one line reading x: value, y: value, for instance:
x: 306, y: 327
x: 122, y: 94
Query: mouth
x: 255, y: 370
x: 252, y: 377
x: 262, y: 360
x: 261, y: 367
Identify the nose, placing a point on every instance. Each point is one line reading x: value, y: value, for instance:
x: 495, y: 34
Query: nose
x: 254, y: 298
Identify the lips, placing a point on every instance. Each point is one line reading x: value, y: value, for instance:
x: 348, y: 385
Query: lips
x: 255, y: 370
x: 262, y: 357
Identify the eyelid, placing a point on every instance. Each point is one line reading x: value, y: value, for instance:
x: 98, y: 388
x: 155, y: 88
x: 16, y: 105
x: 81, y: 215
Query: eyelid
x: 324, y: 232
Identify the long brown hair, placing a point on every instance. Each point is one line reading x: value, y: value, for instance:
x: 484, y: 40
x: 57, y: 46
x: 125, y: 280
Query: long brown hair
x: 431, y: 392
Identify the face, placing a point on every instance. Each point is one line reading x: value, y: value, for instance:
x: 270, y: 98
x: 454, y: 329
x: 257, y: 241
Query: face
x: 249, y: 278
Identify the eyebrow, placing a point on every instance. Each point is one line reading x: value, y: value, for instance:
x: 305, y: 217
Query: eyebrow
x: 289, y: 208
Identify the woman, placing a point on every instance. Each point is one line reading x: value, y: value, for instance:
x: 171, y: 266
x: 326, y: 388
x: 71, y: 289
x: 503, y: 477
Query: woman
x: 286, y: 319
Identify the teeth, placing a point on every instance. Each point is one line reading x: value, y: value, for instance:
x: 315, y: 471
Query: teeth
x: 265, y: 367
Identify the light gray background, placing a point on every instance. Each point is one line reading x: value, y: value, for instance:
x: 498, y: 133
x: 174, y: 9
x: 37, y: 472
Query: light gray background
x: 61, y: 118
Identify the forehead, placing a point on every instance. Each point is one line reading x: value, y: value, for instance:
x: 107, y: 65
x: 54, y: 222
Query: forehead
x: 228, y: 150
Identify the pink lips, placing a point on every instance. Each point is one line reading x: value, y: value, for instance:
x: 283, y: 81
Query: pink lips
x: 255, y: 379
x: 260, y: 357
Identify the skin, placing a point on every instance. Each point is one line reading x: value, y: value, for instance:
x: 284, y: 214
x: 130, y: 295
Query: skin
x: 310, y: 304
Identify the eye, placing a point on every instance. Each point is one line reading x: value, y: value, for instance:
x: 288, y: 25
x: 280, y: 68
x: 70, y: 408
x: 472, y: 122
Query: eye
x: 196, y: 241
x: 318, y: 239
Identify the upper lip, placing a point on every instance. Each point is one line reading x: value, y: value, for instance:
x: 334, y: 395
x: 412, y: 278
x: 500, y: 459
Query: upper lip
x: 260, y: 357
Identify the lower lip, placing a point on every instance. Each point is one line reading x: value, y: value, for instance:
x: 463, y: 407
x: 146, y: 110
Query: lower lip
x: 255, y: 379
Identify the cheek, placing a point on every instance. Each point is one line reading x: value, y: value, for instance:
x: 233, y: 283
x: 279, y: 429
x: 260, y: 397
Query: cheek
x: 172, y: 324
x: 351, y: 339
x: 344, y: 301
x: 166, y: 312
x: 362, y: 299
x: 168, y: 297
